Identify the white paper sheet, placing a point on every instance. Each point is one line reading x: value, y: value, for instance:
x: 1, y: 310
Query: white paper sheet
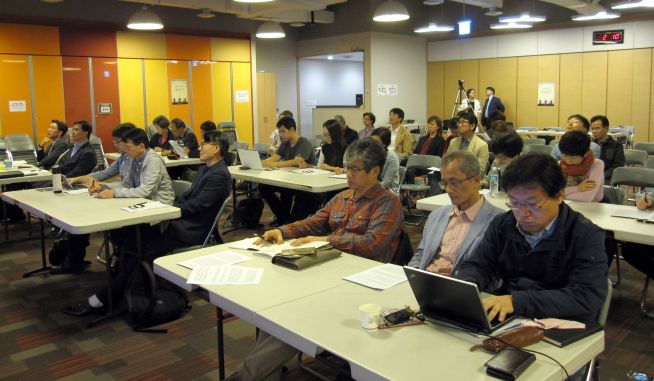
x: 76, y: 191
x: 143, y: 206
x: 216, y: 259
x: 635, y: 214
x: 380, y: 277
x: 179, y: 150
x: 225, y: 275
x: 311, y: 171
x: 341, y: 176
x: 270, y: 249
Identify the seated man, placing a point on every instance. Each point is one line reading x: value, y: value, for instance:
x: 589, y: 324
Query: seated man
x: 292, y: 146
x: 453, y: 232
x: 551, y: 259
x: 54, y: 145
x: 374, y: 233
x: 611, y: 152
x: 80, y: 158
x: 185, y: 137
x: 577, y: 122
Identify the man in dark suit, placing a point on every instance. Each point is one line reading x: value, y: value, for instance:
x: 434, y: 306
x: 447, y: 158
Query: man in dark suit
x: 80, y: 158
x: 185, y: 137
x: 54, y: 145
x: 492, y: 105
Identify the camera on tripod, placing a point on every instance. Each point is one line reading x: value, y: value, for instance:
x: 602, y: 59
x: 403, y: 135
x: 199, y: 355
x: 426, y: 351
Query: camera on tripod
x: 461, y: 84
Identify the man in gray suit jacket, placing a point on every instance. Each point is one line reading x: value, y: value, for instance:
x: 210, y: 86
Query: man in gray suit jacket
x: 453, y: 232
x: 54, y: 145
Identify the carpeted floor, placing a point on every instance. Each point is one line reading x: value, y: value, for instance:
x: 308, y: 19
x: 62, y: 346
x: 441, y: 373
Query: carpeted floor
x: 37, y: 342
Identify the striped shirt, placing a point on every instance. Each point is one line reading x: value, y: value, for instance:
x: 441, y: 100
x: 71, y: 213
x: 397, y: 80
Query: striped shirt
x: 368, y: 225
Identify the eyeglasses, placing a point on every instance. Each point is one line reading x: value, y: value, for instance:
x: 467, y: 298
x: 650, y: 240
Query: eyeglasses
x: 463, y: 122
x: 453, y: 182
x: 354, y: 169
x: 533, y: 207
x: 208, y: 143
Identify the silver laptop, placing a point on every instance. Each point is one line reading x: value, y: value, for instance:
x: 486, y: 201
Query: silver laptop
x: 250, y: 159
x: 451, y: 300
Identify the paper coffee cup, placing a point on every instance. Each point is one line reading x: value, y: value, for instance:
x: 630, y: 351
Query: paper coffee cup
x: 369, y: 315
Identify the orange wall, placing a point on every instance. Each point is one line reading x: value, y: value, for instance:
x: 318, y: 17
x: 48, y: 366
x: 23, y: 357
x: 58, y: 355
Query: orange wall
x: 105, y: 85
x: 48, y: 92
x: 29, y: 39
x: 76, y: 89
x: 15, y: 86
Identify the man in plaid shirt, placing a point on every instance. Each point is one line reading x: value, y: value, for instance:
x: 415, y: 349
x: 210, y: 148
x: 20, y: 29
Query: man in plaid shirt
x: 364, y: 220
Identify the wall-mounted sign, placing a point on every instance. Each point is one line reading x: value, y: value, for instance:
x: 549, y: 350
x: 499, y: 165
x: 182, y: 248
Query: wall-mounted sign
x: 608, y: 37
x: 17, y: 106
x: 178, y: 91
x: 546, y: 93
x: 242, y: 96
x: 104, y: 108
x: 387, y: 89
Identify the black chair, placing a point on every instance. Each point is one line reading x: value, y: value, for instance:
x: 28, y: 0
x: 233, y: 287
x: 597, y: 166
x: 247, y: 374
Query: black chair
x: 404, y: 251
x: 101, y: 161
x: 640, y: 256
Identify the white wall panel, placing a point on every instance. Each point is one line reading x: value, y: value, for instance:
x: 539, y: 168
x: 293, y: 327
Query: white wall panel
x: 522, y: 44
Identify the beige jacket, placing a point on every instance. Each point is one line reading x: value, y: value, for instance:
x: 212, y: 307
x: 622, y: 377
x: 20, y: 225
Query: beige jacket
x: 403, y: 142
x: 477, y: 147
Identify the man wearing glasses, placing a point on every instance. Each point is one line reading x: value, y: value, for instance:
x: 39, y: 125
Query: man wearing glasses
x: 364, y: 220
x: 468, y: 141
x: 453, y: 232
x: 80, y: 158
x: 551, y: 259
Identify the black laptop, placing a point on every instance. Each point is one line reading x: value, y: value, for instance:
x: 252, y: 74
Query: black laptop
x: 451, y: 300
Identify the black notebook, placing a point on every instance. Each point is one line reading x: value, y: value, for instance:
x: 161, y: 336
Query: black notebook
x: 563, y: 337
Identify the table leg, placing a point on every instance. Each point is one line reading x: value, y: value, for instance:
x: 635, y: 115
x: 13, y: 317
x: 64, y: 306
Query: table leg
x: 234, y: 203
x: 44, y: 267
x: 221, y: 343
x: 110, y: 300
x: 4, y: 216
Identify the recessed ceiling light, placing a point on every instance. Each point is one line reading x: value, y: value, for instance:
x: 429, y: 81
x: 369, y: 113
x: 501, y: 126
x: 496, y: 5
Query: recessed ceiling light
x: 525, y: 17
x: 633, y: 4
x: 390, y: 11
x: 434, y: 28
x: 510, y: 25
x: 597, y: 16
x: 206, y: 14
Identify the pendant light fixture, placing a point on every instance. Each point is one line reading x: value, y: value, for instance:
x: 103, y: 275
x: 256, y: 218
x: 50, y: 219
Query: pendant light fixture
x: 144, y: 20
x: 390, y: 11
x: 633, y: 4
x: 270, y: 29
x: 435, y: 27
x: 525, y: 17
x: 597, y: 16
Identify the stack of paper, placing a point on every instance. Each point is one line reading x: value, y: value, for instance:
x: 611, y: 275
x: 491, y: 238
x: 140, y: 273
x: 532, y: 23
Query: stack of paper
x: 216, y: 259
x: 380, y: 277
x: 268, y: 249
x: 635, y: 214
x: 143, y: 206
x: 225, y: 275
x: 341, y: 176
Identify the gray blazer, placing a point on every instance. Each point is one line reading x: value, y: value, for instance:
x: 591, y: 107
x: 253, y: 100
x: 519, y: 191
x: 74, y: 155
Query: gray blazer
x: 434, y: 230
x: 154, y: 184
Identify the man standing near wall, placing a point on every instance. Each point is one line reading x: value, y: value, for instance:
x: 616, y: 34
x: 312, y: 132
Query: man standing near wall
x: 492, y: 105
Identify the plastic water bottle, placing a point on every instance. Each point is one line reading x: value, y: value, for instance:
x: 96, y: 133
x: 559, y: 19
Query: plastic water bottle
x: 494, y: 180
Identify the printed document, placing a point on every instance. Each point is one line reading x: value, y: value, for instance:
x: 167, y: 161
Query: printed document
x: 379, y: 277
x: 216, y: 259
x: 225, y: 275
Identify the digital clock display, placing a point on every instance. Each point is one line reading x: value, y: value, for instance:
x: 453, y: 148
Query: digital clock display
x: 608, y: 37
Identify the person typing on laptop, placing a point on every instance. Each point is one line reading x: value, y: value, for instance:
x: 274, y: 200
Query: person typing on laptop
x: 453, y: 232
x: 550, y: 259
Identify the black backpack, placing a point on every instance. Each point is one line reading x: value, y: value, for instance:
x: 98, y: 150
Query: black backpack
x: 248, y: 213
x: 149, y: 304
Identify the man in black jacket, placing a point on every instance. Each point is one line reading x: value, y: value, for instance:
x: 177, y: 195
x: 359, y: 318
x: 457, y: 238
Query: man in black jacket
x: 612, y: 152
x: 551, y: 259
x: 54, y: 145
x: 185, y: 137
x: 80, y: 158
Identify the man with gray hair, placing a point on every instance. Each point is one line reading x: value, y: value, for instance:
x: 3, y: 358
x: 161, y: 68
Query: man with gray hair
x: 349, y: 135
x: 364, y: 220
x: 452, y: 232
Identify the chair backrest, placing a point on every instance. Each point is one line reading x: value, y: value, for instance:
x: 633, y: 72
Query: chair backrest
x: 553, y: 143
x: 216, y: 222
x: 315, y: 142
x: 20, y: 145
x: 537, y: 148
x: 423, y: 161
x: 633, y: 176
x: 613, y: 195
x: 180, y: 186
x: 647, y: 147
x: 240, y: 145
x: 401, y: 171
x: 404, y: 251
x: 226, y: 125
x: 28, y: 155
x: 96, y: 143
x: 231, y: 136
x: 527, y: 141
x: 18, y: 138
x: 635, y: 157
x: 262, y: 149
x: 604, y: 311
x: 649, y: 163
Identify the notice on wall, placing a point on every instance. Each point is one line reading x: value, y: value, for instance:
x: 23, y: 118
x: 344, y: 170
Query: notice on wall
x: 387, y: 89
x: 546, y: 93
x: 17, y: 106
x: 104, y: 108
x: 242, y: 96
x: 179, y: 91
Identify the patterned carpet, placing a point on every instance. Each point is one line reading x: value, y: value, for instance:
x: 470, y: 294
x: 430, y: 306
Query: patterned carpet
x: 40, y: 343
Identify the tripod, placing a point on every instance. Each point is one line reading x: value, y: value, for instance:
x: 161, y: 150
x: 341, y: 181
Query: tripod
x: 459, y: 98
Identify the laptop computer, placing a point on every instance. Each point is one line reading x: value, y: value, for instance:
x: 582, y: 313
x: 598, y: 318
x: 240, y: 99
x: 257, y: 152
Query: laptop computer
x: 250, y: 159
x: 451, y: 300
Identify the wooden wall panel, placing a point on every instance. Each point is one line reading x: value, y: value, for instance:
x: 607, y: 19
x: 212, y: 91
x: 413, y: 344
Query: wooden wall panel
x: 435, y: 99
x: 527, y: 92
x: 570, y: 86
x: 202, y: 99
x: 548, y: 71
x: 242, y: 79
x: 619, y: 86
x: 221, y: 91
x: 15, y: 87
x: 594, y: 83
x: 48, y: 92
x: 141, y: 45
x: 156, y: 89
x: 105, y: 90
x: 130, y: 83
x: 77, y: 89
x: 505, y: 84
x: 29, y: 39
x: 452, y: 72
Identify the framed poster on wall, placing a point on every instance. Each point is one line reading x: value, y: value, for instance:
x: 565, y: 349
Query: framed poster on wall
x: 546, y: 93
x: 178, y: 91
